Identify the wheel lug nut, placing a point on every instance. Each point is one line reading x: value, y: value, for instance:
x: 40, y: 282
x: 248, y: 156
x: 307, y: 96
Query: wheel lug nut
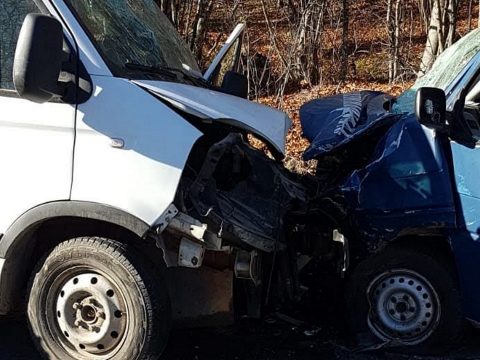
x: 78, y: 323
x: 77, y: 306
x: 95, y: 329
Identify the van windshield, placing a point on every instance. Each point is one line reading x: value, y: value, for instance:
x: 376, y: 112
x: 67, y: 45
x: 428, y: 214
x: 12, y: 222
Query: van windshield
x: 133, y: 32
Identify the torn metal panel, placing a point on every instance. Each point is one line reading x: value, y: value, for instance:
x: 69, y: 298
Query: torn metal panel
x: 244, y: 195
x: 166, y: 217
x: 332, y: 122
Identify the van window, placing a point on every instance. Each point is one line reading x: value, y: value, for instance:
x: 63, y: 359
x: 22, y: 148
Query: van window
x: 229, y: 62
x: 12, y: 14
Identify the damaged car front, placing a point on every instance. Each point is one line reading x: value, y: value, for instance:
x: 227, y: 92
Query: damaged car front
x: 399, y: 175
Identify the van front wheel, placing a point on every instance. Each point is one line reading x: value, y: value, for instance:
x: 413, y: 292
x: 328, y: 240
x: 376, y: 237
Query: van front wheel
x: 95, y: 298
x: 406, y: 299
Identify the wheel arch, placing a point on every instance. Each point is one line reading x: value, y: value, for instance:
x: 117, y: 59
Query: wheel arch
x: 437, y: 245
x: 40, y: 229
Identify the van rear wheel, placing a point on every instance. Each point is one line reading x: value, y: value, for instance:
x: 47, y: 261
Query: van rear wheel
x: 95, y: 298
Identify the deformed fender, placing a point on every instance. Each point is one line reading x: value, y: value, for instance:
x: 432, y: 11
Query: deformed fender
x: 404, y: 190
x: 78, y: 209
x: 13, y: 263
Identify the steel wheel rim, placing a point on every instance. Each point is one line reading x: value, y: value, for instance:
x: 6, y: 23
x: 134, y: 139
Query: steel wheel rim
x: 87, y: 313
x: 404, y: 306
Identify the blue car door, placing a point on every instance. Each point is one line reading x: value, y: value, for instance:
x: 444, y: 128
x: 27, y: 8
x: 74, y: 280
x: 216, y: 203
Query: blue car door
x: 466, y: 242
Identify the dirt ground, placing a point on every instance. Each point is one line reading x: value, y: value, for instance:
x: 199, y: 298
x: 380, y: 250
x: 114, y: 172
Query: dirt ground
x: 255, y: 342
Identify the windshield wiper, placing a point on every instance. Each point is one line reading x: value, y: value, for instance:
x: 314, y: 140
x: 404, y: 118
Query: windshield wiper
x: 170, y: 73
x: 152, y: 69
x: 188, y: 75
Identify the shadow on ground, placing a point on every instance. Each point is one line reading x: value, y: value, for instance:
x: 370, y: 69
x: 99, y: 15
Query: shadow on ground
x: 255, y: 342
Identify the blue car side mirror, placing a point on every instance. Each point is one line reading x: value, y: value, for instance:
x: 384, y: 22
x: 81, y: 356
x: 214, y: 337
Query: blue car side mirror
x: 431, y: 108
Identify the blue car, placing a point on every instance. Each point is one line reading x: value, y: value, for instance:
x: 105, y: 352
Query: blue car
x: 403, y: 178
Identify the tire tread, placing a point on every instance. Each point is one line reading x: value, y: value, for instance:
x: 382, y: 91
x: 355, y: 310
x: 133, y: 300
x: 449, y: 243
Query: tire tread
x: 142, y: 274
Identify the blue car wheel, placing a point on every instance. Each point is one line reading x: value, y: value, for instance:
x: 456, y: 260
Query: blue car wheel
x: 404, y: 299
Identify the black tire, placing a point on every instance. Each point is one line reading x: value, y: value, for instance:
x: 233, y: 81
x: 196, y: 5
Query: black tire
x: 369, y: 291
x: 133, y: 283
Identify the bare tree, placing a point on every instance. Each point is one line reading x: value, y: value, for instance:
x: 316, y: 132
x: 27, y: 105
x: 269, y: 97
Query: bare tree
x: 394, y: 23
x: 344, y: 49
x: 301, y: 43
x: 441, y: 33
x: 197, y: 38
x: 470, y: 6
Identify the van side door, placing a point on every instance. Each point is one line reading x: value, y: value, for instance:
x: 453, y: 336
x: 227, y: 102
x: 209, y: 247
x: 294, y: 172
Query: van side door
x: 36, y: 141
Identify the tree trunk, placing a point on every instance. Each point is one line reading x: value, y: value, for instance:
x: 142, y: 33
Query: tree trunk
x: 390, y: 32
x: 470, y: 5
x: 425, y: 9
x: 441, y: 34
x: 344, y: 49
x: 394, y: 23
x: 396, y: 42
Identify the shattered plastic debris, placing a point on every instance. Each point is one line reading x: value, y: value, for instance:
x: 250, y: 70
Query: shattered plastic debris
x: 312, y: 331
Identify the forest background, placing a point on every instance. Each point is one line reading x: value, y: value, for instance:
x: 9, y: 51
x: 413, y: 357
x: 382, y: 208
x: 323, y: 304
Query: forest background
x: 298, y: 50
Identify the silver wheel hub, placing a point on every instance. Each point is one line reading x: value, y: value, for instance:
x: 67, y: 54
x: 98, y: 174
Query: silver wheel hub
x: 403, y: 306
x: 91, y: 314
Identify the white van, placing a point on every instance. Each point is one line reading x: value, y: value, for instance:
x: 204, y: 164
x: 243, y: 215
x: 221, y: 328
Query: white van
x: 119, y: 159
x: 130, y: 196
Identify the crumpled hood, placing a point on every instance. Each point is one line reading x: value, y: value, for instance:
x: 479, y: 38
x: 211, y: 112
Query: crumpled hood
x: 270, y: 124
x: 332, y: 122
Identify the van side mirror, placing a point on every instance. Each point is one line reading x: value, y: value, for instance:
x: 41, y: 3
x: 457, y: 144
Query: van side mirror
x: 235, y: 84
x: 431, y: 108
x: 38, y: 58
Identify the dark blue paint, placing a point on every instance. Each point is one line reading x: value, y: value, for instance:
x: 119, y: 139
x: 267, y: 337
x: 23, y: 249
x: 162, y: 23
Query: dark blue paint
x: 332, y: 122
x: 405, y: 189
x: 416, y: 182
x: 466, y: 241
